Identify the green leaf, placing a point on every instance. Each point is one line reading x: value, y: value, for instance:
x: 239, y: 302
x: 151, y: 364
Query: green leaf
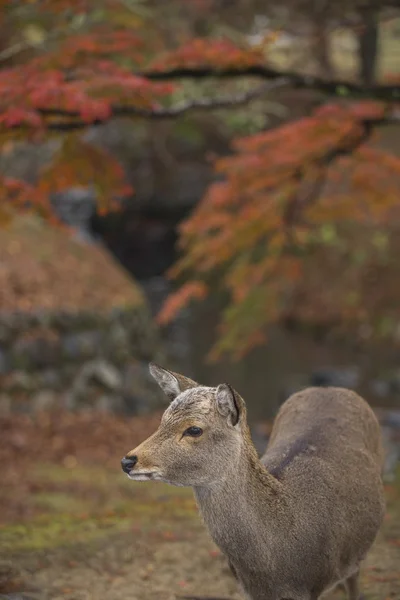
x: 34, y: 34
x: 328, y: 234
x: 380, y: 241
x: 341, y: 90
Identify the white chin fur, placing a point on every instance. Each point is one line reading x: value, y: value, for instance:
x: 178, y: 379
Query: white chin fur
x: 144, y: 476
x: 152, y: 477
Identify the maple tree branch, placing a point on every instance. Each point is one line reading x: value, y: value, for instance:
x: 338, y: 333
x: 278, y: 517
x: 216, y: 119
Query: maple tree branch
x: 11, y: 51
x: 296, y: 80
x: 232, y: 101
x: 317, y: 188
x: 76, y: 123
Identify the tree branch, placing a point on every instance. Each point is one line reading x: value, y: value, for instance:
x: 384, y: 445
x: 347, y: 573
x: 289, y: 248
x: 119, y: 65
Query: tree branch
x: 295, y: 80
x: 160, y: 113
x: 72, y: 121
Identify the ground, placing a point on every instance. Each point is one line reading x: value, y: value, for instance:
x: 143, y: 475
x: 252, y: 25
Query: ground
x: 73, y: 527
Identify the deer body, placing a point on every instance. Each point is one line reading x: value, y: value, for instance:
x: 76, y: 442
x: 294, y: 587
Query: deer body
x: 300, y: 520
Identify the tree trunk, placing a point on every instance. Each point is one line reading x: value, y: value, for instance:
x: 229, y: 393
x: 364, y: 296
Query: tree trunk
x: 368, y: 45
x: 321, y: 48
x: 320, y: 40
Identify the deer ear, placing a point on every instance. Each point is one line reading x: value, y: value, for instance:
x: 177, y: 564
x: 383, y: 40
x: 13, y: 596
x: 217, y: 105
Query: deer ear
x: 229, y: 403
x: 172, y: 384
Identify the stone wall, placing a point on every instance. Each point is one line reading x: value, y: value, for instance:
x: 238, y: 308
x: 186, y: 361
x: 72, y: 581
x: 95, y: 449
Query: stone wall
x: 78, y: 360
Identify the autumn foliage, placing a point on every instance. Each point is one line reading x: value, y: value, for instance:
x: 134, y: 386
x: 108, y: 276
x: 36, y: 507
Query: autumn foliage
x: 79, y: 79
x: 219, y: 54
x: 301, y: 227
x: 300, y: 215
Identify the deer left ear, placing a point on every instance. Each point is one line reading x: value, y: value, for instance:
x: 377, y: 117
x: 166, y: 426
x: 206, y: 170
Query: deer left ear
x: 171, y: 383
x: 229, y: 403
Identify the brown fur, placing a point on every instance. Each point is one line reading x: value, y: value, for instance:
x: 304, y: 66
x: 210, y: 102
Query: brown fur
x: 300, y: 520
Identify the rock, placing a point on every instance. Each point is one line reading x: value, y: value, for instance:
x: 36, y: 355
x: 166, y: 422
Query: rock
x: 5, y: 331
x: 348, y: 377
x: 51, y: 379
x: 64, y: 321
x: 391, y: 418
x: 37, y: 351
x: 20, y: 381
x: 4, y: 362
x: 5, y: 404
x: 42, y: 317
x: 72, y: 322
x: 386, y: 386
x: 83, y: 320
x: 380, y: 388
x: 142, y: 333
x: 75, y: 207
x: 101, y: 372
x: 13, y: 322
x: 391, y: 444
x: 139, y: 392
x: 117, y: 344
x: 109, y: 403
x: 44, y: 400
x: 85, y: 344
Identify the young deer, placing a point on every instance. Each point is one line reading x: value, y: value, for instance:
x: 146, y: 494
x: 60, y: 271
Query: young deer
x: 295, y: 523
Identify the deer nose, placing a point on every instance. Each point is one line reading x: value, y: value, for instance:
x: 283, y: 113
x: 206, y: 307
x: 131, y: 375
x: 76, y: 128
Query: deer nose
x: 128, y: 462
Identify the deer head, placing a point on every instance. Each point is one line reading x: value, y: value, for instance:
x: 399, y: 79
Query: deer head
x: 199, y: 437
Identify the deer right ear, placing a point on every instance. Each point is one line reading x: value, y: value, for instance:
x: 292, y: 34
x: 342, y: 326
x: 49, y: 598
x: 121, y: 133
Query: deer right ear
x: 172, y: 384
x: 228, y: 403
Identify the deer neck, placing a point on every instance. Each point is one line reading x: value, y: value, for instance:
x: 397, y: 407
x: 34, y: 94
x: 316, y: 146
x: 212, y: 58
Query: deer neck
x: 242, y: 510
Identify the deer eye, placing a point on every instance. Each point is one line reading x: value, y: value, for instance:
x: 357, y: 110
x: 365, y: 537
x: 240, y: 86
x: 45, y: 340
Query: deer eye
x: 193, y: 431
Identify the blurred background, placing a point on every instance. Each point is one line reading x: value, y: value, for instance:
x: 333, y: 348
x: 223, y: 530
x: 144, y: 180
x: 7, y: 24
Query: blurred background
x: 213, y: 185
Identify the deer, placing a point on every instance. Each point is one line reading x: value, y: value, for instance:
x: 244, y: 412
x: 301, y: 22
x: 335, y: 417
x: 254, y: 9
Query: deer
x: 298, y: 521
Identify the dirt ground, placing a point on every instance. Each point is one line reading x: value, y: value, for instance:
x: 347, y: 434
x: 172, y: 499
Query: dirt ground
x: 72, y: 527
